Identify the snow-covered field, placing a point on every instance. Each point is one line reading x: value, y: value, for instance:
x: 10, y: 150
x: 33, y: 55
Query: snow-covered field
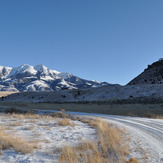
x: 144, y: 135
x: 50, y: 137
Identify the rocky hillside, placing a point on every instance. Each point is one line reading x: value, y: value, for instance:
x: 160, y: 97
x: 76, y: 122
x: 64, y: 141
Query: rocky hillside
x: 153, y: 74
x: 40, y: 78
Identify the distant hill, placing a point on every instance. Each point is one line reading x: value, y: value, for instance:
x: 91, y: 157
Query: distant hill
x: 40, y: 78
x: 153, y: 74
x: 104, y: 93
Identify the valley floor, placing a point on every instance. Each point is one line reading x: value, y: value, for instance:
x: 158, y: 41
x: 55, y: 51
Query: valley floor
x: 44, y: 133
x: 144, y: 135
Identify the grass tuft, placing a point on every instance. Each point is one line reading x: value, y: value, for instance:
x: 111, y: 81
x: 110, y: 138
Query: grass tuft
x: 154, y: 116
x: 65, y: 122
x: 108, y: 148
x: 132, y: 160
x: 17, y: 143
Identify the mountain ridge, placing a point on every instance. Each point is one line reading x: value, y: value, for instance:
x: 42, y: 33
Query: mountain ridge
x: 41, y: 78
x: 153, y: 74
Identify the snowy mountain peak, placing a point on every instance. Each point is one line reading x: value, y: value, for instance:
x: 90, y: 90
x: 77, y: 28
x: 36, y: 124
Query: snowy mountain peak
x: 40, y: 67
x: 44, y: 69
x: 40, y: 78
x: 25, y: 68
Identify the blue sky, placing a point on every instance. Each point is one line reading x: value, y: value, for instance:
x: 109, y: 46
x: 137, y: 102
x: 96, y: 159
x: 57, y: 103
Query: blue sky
x: 107, y: 40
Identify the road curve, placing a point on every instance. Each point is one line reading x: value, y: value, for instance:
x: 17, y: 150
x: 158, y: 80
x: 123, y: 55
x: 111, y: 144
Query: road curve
x: 144, y: 132
x: 148, y: 133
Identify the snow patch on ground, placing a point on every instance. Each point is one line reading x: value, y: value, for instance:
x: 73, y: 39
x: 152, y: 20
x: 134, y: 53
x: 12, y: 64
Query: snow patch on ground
x: 47, y: 133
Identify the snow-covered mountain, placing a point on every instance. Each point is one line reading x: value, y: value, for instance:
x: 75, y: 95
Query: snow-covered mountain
x: 40, y: 78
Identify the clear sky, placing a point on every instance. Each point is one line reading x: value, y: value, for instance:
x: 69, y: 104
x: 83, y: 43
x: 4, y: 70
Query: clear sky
x: 105, y: 40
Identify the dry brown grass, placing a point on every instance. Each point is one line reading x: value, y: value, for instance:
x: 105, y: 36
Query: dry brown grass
x: 5, y: 93
x: 18, y: 114
x: 17, y: 143
x: 64, y: 119
x: 132, y: 160
x: 68, y: 155
x: 60, y: 114
x: 14, y: 124
x: 154, y: 116
x: 31, y: 117
x: 47, y: 127
x: 108, y: 148
x: 65, y: 122
x: 27, y: 115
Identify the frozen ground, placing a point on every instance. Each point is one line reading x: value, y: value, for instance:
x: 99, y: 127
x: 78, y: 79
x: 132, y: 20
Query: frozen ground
x: 144, y: 135
x: 47, y: 133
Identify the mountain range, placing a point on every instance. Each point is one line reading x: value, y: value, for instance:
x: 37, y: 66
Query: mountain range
x: 31, y: 80
x: 40, y: 78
